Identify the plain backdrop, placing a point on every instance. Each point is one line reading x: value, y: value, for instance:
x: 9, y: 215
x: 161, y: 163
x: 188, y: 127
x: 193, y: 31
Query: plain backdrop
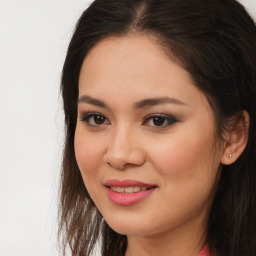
x: 34, y: 36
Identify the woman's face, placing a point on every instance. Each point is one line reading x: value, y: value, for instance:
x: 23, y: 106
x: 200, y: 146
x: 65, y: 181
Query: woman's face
x: 145, y: 139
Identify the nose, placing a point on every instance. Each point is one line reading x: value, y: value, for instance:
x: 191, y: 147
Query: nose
x: 124, y: 150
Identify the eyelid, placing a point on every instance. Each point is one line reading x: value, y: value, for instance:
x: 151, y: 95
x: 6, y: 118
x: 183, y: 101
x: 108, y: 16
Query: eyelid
x: 84, y: 117
x: 170, y: 118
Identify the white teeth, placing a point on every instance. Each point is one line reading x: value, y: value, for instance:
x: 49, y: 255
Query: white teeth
x: 128, y: 190
x: 136, y: 189
x: 120, y: 190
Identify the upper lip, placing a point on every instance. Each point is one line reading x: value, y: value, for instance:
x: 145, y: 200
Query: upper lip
x: 127, y: 183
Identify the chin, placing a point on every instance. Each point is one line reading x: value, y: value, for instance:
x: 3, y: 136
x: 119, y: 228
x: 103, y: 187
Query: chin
x: 132, y: 226
x: 127, y: 226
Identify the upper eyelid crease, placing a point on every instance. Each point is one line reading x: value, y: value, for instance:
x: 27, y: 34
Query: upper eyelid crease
x: 166, y: 117
x: 138, y: 105
x: 85, y: 117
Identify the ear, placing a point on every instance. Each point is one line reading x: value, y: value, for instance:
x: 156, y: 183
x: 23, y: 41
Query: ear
x: 237, y: 139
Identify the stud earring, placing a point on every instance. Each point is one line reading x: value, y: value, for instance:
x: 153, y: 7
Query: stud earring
x: 230, y: 155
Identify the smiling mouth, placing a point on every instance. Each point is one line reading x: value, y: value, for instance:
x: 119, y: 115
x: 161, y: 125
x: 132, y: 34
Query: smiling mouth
x: 128, y: 190
x: 128, y: 186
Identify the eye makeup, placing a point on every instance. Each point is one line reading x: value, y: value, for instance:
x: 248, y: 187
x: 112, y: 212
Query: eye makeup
x: 156, y: 120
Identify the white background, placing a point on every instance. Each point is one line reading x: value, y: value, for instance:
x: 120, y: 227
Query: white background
x: 33, y: 39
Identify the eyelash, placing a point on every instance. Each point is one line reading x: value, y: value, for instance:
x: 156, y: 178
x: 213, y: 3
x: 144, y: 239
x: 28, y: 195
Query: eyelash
x: 86, y: 118
x: 163, y: 117
x: 169, y: 119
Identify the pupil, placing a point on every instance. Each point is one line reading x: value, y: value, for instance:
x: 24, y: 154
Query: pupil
x: 99, y: 119
x: 158, y: 121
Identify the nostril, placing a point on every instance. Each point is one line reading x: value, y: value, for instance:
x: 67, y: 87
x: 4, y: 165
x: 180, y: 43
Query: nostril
x: 121, y: 155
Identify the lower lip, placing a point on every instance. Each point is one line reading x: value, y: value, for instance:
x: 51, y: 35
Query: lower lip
x: 128, y: 199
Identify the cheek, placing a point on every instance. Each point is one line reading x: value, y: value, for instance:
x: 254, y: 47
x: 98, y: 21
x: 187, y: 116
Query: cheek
x: 89, y: 153
x: 180, y: 152
x: 179, y: 158
x: 187, y: 160
x: 188, y: 173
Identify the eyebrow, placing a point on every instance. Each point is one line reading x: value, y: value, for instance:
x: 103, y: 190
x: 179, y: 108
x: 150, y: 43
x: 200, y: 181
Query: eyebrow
x: 137, y: 105
x: 156, y: 101
x: 92, y: 101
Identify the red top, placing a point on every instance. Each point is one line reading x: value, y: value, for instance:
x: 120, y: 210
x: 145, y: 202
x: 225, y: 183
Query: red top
x: 205, y: 251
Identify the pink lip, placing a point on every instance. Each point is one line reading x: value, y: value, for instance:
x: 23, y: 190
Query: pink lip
x: 127, y: 199
x: 127, y: 183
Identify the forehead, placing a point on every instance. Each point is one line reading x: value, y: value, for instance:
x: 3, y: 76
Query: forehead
x: 135, y: 66
x: 125, y: 55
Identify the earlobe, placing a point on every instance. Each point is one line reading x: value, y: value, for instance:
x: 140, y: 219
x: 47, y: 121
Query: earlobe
x: 237, y: 139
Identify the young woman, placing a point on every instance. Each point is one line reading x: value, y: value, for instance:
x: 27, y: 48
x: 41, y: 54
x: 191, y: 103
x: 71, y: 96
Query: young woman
x: 160, y: 103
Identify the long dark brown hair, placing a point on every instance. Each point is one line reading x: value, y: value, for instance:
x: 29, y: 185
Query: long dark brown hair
x: 215, y: 41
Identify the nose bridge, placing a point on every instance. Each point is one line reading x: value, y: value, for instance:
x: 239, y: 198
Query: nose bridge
x: 123, y: 148
x: 123, y: 135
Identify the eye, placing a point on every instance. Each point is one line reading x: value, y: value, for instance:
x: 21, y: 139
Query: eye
x: 94, y: 119
x: 159, y: 120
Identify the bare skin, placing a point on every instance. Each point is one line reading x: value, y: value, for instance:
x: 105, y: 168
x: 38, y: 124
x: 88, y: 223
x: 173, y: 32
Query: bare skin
x: 125, y: 138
